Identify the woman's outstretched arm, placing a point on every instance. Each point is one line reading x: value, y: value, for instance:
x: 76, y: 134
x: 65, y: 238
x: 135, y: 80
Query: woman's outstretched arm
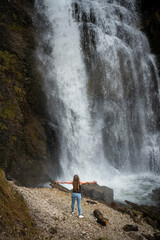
x: 64, y: 182
x: 88, y: 182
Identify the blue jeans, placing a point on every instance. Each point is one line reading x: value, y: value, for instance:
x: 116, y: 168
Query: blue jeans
x: 78, y: 196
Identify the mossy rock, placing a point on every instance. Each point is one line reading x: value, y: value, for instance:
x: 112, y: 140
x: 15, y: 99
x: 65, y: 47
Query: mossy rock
x: 15, y: 219
x: 8, y: 111
x: 23, y: 144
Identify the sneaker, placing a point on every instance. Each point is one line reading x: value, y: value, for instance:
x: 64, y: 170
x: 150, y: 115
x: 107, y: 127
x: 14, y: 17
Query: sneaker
x: 72, y: 212
x: 81, y: 216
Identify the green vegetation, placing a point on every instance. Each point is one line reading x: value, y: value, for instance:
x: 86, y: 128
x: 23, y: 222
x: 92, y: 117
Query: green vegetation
x: 7, y: 112
x: 9, y: 65
x: 15, y: 27
x: 15, y: 218
x: 3, y: 127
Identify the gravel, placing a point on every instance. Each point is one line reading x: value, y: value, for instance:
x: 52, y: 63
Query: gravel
x: 51, y: 208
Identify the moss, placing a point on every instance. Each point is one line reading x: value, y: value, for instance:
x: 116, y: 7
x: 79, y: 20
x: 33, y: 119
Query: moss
x: 9, y: 67
x: 20, y: 92
x: 20, y: 150
x: 14, y: 16
x: 8, y: 59
x: 15, y: 27
x: 1, y: 96
x: 8, y: 111
x: 13, y: 140
x: 14, y: 212
x: 3, y: 127
x: 9, y: 81
x: 17, y: 89
x: 9, y: 63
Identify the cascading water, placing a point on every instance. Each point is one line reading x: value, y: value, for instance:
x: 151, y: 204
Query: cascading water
x: 101, y: 82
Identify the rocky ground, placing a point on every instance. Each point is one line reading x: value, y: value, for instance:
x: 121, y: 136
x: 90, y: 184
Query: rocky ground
x: 51, y: 208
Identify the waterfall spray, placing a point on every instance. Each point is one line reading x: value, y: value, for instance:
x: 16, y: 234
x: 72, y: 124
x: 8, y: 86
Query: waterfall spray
x: 101, y: 82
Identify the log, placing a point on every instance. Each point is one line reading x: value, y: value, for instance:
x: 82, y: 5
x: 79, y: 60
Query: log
x: 129, y: 227
x: 100, y: 219
x: 125, y: 210
x: 97, y: 214
x: 134, y: 214
x: 91, y: 202
x: 148, y: 237
x: 135, y: 236
x: 53, y: 184
x: 147, y: 212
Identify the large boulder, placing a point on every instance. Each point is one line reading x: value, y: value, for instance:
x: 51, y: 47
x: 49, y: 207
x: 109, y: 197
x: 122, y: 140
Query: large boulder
x: 155, y: 196
x: 96, y: 192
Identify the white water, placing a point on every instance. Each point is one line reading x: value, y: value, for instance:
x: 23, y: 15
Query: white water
x: 103, y: 110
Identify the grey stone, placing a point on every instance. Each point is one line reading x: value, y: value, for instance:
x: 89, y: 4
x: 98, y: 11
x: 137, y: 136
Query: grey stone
x: 97, y: 192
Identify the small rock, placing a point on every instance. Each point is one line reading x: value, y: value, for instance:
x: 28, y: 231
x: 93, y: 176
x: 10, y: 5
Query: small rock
x: 148, y: 237
x: 134, y: 236
x: 129, y: 227
x: 53, y: 230
x: 157, y: 235
x: 151, y: 222
x: 114, y: 205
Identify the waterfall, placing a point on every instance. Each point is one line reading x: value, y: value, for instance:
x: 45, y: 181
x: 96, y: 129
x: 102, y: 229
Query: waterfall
x: 102, y: 87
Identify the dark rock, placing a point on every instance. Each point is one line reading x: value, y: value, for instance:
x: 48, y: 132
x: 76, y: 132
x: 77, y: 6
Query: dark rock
x: 91, y: 202
x: 150, y: 213
x: 157, y: 235
x: 155, y: 196
x: 23, y: 138
x: 151, y: 222
x: 114, y: 205
x: 150, y: 14
x: 96, y: 192
x: 129, y: 227
x: 134, y: 236
x: 53, y: 230
x: 148, y: 237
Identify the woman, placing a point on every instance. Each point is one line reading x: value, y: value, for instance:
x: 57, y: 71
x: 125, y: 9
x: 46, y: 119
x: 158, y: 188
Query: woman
x: 76, y: 193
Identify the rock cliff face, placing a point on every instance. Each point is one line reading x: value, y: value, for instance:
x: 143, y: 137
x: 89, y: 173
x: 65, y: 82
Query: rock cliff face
x: 150, y: 16
x: 23, y: 143
x: 151, y: 24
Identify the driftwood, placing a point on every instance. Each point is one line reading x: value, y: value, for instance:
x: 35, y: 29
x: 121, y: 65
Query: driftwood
x: 129, y: 227
x: 100, y: 219
x: 150, y: 214
x: 135, y: 236
x: 53, y: 184
x: 91, y: 202
x: 148, y: 237
x: 138, y: 213
x: 146, y: 210
x: 125, y: 210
